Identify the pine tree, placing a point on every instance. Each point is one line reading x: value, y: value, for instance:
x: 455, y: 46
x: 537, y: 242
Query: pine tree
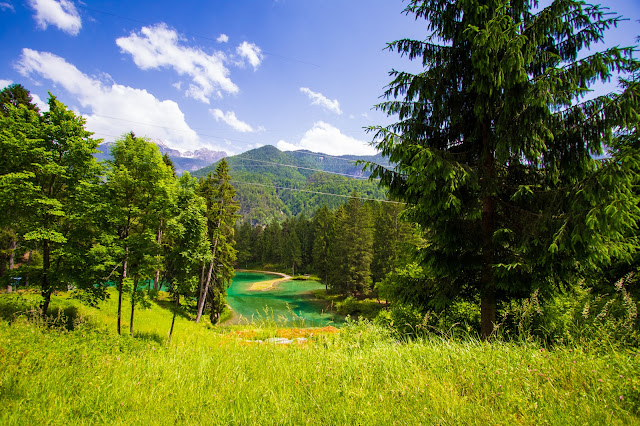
x: 352, y: 250
x: 291, y: 249
x: 324, y: 231
x: 495, y: 144
x: 219, y: 194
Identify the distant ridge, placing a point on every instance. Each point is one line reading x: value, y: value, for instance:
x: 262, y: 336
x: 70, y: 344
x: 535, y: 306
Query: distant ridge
x: 261, y: 174
x: 183, y: 161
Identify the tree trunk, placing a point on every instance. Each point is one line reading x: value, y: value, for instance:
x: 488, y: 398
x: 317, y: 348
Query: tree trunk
x: 213, y: 259
x: 488, y: 291
x: 156, y: 279
x: 11, y: 257
x: 46, y: 287
x: 175, y: 312
x: 26, y: 275
x: 201, y: 287
x: 133, y: 304
x: 120, y: 284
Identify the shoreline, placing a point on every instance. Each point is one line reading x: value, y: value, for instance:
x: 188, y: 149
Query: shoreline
x: 268, y: 284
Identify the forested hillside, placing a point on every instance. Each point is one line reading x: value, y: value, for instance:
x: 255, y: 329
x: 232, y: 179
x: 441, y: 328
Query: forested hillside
x: 263, y: 176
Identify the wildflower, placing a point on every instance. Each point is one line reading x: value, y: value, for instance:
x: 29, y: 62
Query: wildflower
x: 621, y: 398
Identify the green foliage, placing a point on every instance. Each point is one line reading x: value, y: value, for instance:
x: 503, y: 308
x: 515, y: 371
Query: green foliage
x: 495, y: 148
x: 261, y: 202
x: 138, y: 195
x: 47, y: 174
x: 365, y: 308
x: 584, y: 317
x: 221, y: 208
x: 16, y: 95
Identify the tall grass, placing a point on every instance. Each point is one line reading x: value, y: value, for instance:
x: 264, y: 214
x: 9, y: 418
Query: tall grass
x: 360, y: 375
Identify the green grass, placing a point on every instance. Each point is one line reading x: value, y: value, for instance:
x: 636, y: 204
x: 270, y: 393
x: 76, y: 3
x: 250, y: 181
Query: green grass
x: 216, y: 375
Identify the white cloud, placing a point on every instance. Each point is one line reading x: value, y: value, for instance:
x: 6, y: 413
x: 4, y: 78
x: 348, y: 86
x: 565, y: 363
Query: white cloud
x: 7, y: 6
x: 177, y: 85
x: 320, y: 99
x: 325, y: 138
x: 5, y: 83
x: 250, y: 52
x: 62, y: 13
x: 223, y: 38
x: 115, y: 109
x: 160, y: 47
x: 230, y: 118
x: 39, y: 102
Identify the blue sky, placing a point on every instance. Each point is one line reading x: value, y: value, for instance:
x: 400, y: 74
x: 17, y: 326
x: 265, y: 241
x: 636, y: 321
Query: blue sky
x: 227, y: 75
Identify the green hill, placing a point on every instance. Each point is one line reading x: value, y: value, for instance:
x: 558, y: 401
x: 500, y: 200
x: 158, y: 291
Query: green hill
x: 265, y: 176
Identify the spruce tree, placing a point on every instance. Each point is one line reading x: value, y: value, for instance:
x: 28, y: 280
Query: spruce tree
x: 495, y: 145
x: 324, y: 232
x: 219, y: 195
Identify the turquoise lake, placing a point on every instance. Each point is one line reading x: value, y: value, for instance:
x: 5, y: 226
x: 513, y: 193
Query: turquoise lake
x: 289, y: 302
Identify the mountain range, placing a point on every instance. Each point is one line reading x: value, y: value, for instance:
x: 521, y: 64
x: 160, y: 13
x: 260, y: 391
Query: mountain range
x: 273, y: 184
x: 183, y: 161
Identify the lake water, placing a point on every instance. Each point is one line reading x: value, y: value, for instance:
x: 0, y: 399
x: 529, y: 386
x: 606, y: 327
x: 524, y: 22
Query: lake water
x: 289, y: 301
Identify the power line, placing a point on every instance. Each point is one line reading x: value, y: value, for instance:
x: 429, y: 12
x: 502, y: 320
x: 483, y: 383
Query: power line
x: 314, y: 192
x: 161, y: 127
x: 300, y: 167
x: 287, y: 165
x: 229, y: 139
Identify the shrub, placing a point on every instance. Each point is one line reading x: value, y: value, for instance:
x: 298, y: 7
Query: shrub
x: 580, y: 317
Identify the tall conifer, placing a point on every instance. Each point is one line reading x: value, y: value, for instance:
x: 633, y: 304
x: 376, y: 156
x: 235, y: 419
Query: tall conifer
x: 495, y: 143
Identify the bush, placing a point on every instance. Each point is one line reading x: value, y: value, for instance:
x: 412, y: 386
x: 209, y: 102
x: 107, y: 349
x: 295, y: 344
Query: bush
x: 406, y: 320
x: 581, y: 317
x: 367, y: 308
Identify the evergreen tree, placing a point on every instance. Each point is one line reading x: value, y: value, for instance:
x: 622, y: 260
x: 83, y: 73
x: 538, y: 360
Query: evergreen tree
x: 16, y: 95
x: 272, y: 241
x: 324, y: 231
x: 352, y: 250
x: 338, y: 266
x: 304, y: 230
x: 390, y: 236
x: 291, y: 248
x: 244, y: 244
x: 495, y: 146
x: 221, y: 217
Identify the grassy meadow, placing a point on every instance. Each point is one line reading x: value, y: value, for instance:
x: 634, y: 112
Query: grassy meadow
x: 233, y: 375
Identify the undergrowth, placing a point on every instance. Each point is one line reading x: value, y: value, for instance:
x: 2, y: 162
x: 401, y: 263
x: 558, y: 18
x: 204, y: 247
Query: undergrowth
x: 362, y: 374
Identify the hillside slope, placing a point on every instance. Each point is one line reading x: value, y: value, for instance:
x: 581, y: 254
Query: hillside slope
x: 264, y: 175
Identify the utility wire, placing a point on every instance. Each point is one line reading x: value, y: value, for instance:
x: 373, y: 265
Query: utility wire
x: 85, y: 114
x: 300, y: 167
x: 209, y: 136
x: 313, y: 192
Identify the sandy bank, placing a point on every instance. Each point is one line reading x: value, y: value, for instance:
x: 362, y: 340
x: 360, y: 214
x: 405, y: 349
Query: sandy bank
x: 266, y: 285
